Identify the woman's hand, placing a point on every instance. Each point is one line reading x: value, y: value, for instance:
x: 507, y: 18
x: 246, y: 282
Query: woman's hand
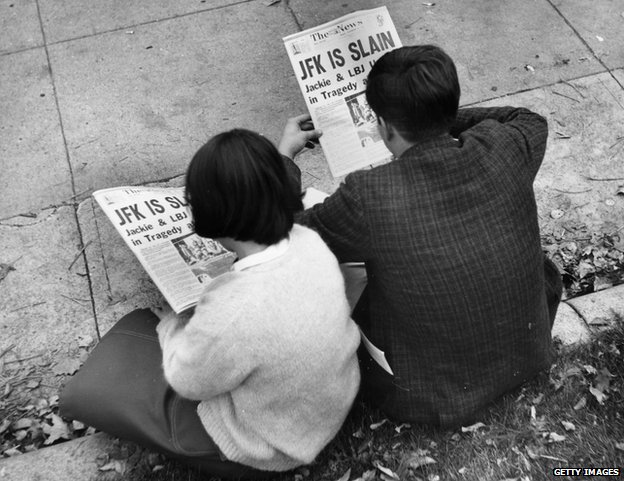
x: 297, y: 133
x: 163, y: 312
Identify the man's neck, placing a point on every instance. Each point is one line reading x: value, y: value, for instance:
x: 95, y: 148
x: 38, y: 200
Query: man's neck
x: 398, y: 145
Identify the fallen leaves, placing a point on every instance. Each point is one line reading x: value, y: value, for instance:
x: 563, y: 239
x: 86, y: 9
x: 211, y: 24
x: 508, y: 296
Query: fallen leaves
x: 591, y: 262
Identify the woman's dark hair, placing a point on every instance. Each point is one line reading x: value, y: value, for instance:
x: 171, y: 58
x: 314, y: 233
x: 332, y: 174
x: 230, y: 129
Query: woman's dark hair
x: 415, y: 89
x: 238, y: 187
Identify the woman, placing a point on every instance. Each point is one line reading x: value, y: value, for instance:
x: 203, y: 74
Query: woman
x: 265, y: 370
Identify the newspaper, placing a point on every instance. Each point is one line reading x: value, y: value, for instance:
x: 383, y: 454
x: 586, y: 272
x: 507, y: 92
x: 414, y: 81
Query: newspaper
x: 331, y: 63
x: 156, y: 224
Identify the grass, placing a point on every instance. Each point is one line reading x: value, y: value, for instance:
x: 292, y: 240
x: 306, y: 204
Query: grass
x: 570, y: 417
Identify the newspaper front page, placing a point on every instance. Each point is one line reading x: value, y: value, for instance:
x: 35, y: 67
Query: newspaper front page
x: 331, y: 63
x: 156, y: 223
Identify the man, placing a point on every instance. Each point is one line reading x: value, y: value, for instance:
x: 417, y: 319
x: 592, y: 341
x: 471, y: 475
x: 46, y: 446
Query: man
x: 459, y: 297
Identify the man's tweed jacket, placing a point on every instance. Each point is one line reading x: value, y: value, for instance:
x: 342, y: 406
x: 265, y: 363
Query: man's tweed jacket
x: 450, y: 238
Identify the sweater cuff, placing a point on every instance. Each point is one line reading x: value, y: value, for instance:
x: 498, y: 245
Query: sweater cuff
x: 166, y: 327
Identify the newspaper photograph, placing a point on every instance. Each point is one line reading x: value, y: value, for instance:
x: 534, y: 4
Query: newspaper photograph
x: 331, y: 63
x: 156, y: 223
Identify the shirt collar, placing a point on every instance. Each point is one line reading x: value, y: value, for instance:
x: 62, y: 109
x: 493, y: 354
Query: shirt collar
x: 272, y: 252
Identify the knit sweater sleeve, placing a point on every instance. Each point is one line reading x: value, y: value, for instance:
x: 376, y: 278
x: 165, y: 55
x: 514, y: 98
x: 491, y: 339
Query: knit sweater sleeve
x: 206, y: 357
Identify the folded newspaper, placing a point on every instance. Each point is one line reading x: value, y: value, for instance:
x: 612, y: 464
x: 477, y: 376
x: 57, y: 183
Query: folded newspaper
x: 156, y: 224
x: 331, y: 63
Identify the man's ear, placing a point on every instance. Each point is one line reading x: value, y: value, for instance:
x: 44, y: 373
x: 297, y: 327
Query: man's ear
x: 386, y: 130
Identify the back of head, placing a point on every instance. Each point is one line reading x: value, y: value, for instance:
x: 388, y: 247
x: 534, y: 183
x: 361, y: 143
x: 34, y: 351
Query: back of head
x: 416, y: 90
x: 238, y: 187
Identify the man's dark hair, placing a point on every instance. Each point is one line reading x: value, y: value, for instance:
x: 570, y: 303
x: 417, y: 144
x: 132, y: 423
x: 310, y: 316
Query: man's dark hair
x: 416, y: 90
x: 238, y: 187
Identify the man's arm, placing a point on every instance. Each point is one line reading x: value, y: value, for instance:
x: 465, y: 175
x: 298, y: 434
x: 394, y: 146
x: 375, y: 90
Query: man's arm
x: 528, y: 129
x: 340, y: 222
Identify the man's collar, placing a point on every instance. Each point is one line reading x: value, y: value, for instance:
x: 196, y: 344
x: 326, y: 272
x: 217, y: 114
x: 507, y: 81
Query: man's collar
x: 439, y: 141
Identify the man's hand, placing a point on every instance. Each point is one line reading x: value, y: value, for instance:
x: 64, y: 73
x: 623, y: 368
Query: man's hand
x: 298, y: 132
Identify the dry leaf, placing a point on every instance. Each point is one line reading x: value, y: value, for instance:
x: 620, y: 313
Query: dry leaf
x: 4, y: 425
x: 78, y: 426
x: 603, y: 379
x: 401, y: 426
x: 532, y: 454
x: 585, y: 268
x: 568, y: 426
x: 378, y: 425
x: 538, y: 399
x: 84, y: 340
x: 5, y: 269
x: 388, y: 472
x: 472, y: 428
x: 416, y: 460
x: 581, y: 404
x: 32, y: 384
x: 114, y: 465
x: 23, y: 423
x: 68, y: 366
x: 58, y: 430
x: 598, y: 394
x: 556, y: 438
x: 345, y: 476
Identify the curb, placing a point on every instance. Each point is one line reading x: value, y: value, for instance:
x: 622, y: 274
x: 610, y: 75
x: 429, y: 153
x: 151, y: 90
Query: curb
x: 579, y: 318
x: 71, y: 460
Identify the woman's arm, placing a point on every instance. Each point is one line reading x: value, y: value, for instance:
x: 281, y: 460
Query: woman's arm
x: 203, y: 358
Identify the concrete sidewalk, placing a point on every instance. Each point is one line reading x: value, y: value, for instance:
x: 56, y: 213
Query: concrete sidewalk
x: 111, y: 93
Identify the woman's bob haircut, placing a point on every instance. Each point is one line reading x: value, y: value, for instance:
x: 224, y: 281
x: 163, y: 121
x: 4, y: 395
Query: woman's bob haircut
x: 238, y: 187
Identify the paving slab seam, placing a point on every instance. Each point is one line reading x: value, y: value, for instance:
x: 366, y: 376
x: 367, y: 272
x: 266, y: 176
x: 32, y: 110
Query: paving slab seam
x: 587, y: 45
x: 542, y: 86
x: 140, y: 24
x: 293, y: 15
x: 74, y: 203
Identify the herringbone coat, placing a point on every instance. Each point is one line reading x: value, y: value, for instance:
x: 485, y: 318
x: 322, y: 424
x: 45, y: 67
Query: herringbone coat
x: 450, y: 238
